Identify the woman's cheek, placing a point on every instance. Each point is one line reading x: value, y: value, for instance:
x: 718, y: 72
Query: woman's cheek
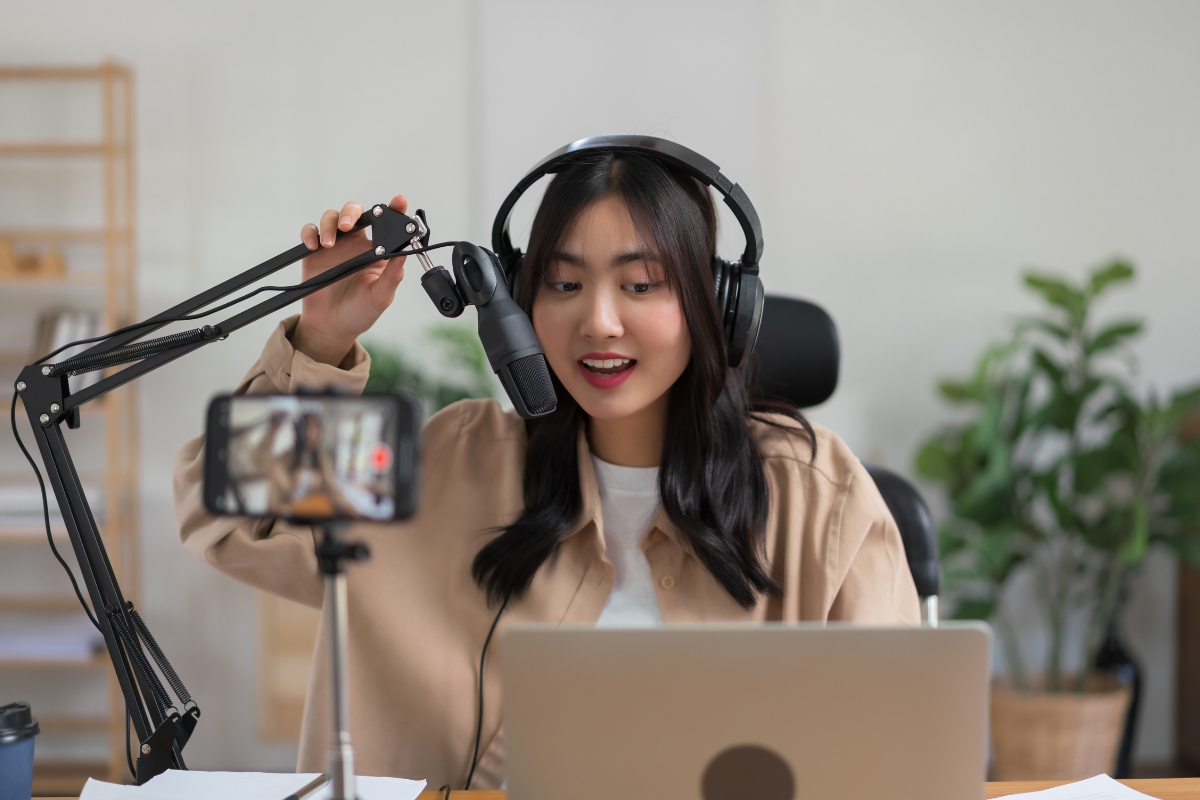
x: 665, y: 333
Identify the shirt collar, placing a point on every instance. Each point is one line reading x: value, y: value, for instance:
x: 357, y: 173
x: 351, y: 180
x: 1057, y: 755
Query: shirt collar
x: 590, y: 509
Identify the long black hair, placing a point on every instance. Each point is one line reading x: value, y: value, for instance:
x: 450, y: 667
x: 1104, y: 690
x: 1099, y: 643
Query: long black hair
x: 711, y: 480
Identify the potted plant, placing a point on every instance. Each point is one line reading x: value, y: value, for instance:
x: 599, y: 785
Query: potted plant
x: 1062, y: 468
x: 461, y: 352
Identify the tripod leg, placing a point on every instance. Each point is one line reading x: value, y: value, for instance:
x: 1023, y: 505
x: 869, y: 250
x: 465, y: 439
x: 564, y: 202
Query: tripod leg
x: 341, y: 755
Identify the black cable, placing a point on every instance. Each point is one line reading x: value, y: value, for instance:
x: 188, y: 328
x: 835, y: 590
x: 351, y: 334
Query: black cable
x: 367, y: 257
x: 445, y: 787
x: 46, y: 509
x: 479, y: 719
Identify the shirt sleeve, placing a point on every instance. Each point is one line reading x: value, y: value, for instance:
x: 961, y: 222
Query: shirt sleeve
x: 876, y: 585
x: 265, y: 553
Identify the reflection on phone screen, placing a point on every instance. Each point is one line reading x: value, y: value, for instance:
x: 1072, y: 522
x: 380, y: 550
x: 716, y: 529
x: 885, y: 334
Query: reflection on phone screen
x: 311, y: 458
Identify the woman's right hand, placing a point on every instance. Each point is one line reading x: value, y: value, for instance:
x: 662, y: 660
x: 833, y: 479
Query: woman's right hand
x: 332, y: 318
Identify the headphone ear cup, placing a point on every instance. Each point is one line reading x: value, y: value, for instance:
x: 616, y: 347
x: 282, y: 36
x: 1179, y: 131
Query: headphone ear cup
x: 746, y: 317
x: 723, y: 284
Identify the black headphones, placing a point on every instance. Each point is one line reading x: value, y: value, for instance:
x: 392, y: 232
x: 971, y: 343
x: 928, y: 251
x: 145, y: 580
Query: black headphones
x: 739, y: 289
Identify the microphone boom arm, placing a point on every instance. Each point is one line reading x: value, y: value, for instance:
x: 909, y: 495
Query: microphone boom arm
x: 162, y: 729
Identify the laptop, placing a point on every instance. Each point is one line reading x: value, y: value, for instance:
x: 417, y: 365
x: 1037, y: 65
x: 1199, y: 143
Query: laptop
x: 741, y: 712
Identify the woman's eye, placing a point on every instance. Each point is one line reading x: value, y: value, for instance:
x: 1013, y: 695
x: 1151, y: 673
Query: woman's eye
x: 639, y: 288
x: 566, y: 286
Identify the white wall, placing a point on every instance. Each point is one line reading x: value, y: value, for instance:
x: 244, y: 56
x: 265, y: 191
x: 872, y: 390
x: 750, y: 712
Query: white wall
x: 907, y: 160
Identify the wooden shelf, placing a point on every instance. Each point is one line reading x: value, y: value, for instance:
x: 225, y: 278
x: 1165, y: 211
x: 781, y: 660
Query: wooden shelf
x: 72, y: 724
x: 61, y: 235
x: 47, y: 72
x: 51, y: 148
x: 65, y: 779
x: 48, y: 604
x: 109, y: 237
x: 14, y: 358
x: 31, y: 533
x: 90, y: 277
x: 97, y: 661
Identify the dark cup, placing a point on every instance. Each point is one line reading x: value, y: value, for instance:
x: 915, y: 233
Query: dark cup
x: 17, y: 729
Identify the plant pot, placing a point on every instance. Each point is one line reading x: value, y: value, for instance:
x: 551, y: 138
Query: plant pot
x: 1040, y: 735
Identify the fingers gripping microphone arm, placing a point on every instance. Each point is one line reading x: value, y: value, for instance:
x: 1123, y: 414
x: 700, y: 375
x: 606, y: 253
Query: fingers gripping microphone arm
x: 512, y: 347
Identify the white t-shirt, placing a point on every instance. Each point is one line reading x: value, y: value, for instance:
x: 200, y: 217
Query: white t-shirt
x: 628, y: 502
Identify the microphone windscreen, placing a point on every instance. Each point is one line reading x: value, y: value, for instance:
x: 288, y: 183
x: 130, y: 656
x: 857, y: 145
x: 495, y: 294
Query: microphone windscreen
x: 527, y: 382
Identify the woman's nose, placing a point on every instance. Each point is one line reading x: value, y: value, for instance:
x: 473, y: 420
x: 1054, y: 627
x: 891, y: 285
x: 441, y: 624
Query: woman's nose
x: 600, y: 319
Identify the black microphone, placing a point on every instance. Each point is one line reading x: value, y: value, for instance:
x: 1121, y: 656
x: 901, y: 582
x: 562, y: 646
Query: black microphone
x: 512, y: 347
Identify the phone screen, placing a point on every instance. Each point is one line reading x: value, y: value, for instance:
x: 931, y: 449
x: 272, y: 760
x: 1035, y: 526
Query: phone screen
x: 312, y: 457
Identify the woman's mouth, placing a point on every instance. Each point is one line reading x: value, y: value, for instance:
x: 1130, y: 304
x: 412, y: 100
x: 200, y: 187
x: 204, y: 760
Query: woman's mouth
x: 605, y: 373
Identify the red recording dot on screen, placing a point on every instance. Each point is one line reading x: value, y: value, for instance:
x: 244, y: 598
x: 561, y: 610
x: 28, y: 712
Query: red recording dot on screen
x: 381, y: 457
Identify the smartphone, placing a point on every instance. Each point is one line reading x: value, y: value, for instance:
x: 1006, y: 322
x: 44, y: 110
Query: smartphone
x: 313, y: 457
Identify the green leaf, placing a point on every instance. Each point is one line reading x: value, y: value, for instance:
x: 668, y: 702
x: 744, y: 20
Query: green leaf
x: 1188, y: 549
x: 1056, y: 292
x: 1115, y: 272
x: 445, y: 394
x: 1057, y: 331
x: 390, y: 372
x: 1048, y: 365
x: 1134, y: 549
x: 462, y: 347
x: 1112, y: 335
x: 969, y: 608
x: 1179, y: 483
x: 933, y: 461
x: 997, y: 552
x: 1093, y: 466
x: 1059, y: 411
x: 958, y: 391
x: 1185, y: 401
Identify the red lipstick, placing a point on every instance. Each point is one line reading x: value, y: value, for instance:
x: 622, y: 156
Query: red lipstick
x: 601, y: 377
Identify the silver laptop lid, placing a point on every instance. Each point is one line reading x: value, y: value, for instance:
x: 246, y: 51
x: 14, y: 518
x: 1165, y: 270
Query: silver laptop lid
x: 773, y: 712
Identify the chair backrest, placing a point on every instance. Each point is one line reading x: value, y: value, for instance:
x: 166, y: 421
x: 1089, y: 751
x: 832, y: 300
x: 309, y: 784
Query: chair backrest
x: 798, y: 352
x: 916, y: 528
x: 798, y: 355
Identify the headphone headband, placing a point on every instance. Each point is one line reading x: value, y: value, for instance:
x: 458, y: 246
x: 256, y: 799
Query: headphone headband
x: 677, y: 155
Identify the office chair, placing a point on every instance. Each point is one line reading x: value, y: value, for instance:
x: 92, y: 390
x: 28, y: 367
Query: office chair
x: 798, y: 357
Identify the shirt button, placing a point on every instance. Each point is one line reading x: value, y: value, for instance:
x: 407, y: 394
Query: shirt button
x: 667, y: 581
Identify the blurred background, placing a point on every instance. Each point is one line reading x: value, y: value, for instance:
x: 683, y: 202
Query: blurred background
x: 908, y: 160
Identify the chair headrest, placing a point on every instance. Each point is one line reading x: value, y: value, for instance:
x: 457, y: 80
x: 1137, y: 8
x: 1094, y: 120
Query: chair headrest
x: 797, y: 352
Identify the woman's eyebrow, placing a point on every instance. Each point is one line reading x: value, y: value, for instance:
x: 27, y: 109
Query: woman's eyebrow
x: 620, y: 261
x: 635, y: 255
x: 564, y: 256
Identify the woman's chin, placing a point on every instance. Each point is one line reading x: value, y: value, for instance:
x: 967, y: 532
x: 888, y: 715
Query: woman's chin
x: 608, y: 403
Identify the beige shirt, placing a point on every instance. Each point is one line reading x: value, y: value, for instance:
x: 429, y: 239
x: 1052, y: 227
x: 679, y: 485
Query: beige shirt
x: 418, y: 621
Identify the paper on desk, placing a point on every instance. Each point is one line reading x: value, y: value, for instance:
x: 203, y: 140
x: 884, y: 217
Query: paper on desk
x: 194, y: 785
x: 1100, y: 787
x: 99, y: 790
x: 370, y: 788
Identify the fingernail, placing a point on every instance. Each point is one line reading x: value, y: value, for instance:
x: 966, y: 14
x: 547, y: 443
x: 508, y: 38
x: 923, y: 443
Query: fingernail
x: 327, y: 238
x: 310, y: 243
x: 345, y: 221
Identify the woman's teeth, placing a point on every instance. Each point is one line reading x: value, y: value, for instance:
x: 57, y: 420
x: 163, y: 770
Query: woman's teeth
x: 606, y: 363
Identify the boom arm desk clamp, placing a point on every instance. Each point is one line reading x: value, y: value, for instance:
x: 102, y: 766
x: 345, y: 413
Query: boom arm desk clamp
x: 162, y: 727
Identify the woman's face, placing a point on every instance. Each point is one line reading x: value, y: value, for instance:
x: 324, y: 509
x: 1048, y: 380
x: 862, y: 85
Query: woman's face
x: 612, y: 330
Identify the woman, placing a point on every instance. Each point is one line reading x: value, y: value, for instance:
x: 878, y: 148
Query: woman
x: 654, y: 493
